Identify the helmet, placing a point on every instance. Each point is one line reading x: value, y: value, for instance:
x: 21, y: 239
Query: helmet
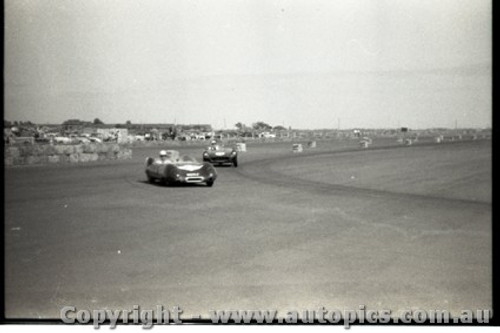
x: 163, y: 153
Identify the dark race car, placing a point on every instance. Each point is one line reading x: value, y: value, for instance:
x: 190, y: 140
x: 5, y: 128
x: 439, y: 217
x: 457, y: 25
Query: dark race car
x: 218, y: 154
x: 176, y: 169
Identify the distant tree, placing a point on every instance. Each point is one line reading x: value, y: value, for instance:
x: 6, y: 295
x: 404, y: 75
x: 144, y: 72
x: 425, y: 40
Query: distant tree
x: 261, y: 126
x: 240, y: 126
x: 128, y: 122
x: 72, y: 121
x: 279, y: 128
x: 98, y: 121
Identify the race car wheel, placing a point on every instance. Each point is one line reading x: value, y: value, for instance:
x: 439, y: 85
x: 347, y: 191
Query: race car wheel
x: 235, y: 163
x: 210, y: 183
x: 151, y: 180
x: 149, y: 161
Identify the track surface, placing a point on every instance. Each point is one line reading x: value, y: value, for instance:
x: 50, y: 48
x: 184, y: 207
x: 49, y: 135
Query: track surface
x: 328, y: 228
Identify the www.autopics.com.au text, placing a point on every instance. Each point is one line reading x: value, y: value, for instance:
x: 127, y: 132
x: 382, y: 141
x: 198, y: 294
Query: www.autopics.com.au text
x: 161, y: 315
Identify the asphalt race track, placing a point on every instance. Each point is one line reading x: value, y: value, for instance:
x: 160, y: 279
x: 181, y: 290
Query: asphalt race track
x: 335, y: 227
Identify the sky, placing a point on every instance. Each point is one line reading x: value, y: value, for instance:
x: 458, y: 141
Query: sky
x: 301, y: 63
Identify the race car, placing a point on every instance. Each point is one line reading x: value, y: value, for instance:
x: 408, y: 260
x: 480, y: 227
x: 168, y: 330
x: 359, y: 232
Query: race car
x: 218, y: 154
x: 172, y: 168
